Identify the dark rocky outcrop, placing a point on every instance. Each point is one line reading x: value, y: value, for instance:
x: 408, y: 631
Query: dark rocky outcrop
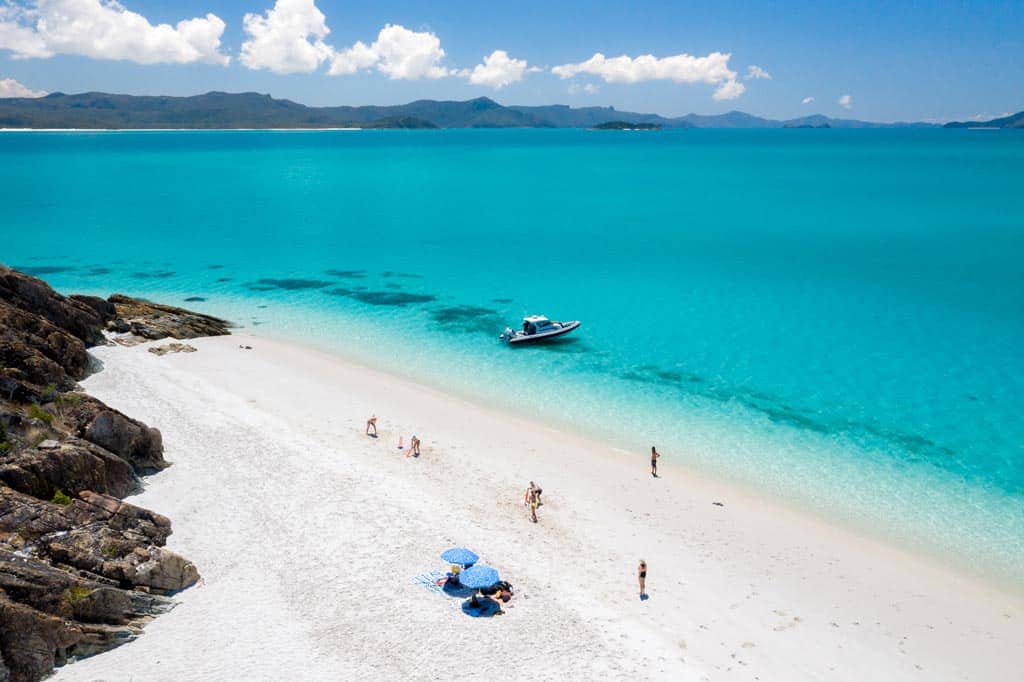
x: 130, y: 439
x: 105, y: 309
x: 172, y: 348
x: 626, y: 125
x: 154, y: 321
x: 72, y: 467
x: 79, y: 316
x: 34, y: 349
x: 81, y: 571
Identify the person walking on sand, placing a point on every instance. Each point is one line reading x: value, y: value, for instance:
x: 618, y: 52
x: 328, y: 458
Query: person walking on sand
x: 534, y: 503
x: 371, y: 423
x: 641, y: 575
x: 533, y: 491
x: 654, y: 462
x: 414, y: 447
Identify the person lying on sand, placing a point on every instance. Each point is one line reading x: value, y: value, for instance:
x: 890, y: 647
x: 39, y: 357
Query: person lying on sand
x: 503, y: 593
x: 371, y: 423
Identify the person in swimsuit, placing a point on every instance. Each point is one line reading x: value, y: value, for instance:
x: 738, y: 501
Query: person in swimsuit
x: 414, y: 447
x: 641, y: 574
x: 534, y: 503
x: 371, y: 423
x: 533, y: 491
x: 654, y: 462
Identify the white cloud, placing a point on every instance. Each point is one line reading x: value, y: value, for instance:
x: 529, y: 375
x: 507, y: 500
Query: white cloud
x: 586, y: 89
x: 12, y: 88
x: 105, y: 29
x: 497, y: 71
x: 289, y: 38
x: 680, y: 68
x: 359, y: 56
x: 399, y: 53
x: 846, y: 102
x: 756, y: 72
x: 728, y: 90
x: 409, y: 55
x: 806, y: 100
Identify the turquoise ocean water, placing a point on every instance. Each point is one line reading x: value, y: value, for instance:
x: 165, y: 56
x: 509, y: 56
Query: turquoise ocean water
x: 833, y: 317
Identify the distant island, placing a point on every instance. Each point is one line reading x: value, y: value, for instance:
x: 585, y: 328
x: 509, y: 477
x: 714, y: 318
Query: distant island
x: 1014, y: 121
x: 223, y: 110
x: 626, y: 125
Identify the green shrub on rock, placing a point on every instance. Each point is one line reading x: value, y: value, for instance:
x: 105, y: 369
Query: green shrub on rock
x: 60, y: 498
x: 76, y: 595
x: 112, y: 551
x: 66, y: 404
x: 36, y: 412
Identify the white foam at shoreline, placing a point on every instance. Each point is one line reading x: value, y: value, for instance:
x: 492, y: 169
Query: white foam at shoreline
x: 308, y: 535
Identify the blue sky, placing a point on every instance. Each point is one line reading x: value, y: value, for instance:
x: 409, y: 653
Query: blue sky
x: 893, y: 60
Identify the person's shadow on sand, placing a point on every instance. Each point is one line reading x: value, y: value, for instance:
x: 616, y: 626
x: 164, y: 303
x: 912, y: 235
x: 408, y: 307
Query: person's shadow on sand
x: 484, y: 608
x: 456, y: 590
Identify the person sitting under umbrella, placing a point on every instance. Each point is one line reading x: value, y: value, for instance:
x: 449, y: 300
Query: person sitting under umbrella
x: 459, y: 558
x: 453, y: 575
x: 478, y: 577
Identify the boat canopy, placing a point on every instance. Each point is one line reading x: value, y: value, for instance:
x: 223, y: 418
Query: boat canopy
x: 536, y: 319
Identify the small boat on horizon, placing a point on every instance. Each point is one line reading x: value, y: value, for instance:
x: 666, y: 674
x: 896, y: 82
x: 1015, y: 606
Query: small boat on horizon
x: 537, y: 328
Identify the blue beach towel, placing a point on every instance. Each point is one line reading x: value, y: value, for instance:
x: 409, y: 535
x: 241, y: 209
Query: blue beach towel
x: 430, y: 580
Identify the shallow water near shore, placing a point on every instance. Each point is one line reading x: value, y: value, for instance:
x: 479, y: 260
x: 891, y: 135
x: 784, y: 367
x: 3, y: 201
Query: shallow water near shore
x: 833, y: 317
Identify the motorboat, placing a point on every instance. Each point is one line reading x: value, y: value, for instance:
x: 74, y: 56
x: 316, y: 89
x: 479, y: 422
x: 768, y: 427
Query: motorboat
x: 537, y: 328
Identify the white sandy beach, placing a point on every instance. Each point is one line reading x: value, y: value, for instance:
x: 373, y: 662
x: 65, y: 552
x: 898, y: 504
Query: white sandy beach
x: 309, y: 536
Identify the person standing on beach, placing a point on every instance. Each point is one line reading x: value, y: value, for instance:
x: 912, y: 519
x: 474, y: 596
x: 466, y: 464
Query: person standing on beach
x: 534, y: 503
x: 371, y: 423
x: 533, y: 491
x: 414, y: 447
x: 654, y: 462
x: 641, y: 575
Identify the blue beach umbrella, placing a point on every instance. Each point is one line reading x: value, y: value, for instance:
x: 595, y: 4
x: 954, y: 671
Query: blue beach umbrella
x: 460, y: 556
x: 479, y: 577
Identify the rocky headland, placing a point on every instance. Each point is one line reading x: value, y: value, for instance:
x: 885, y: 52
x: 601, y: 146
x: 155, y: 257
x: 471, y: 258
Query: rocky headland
x: 81, y: 571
